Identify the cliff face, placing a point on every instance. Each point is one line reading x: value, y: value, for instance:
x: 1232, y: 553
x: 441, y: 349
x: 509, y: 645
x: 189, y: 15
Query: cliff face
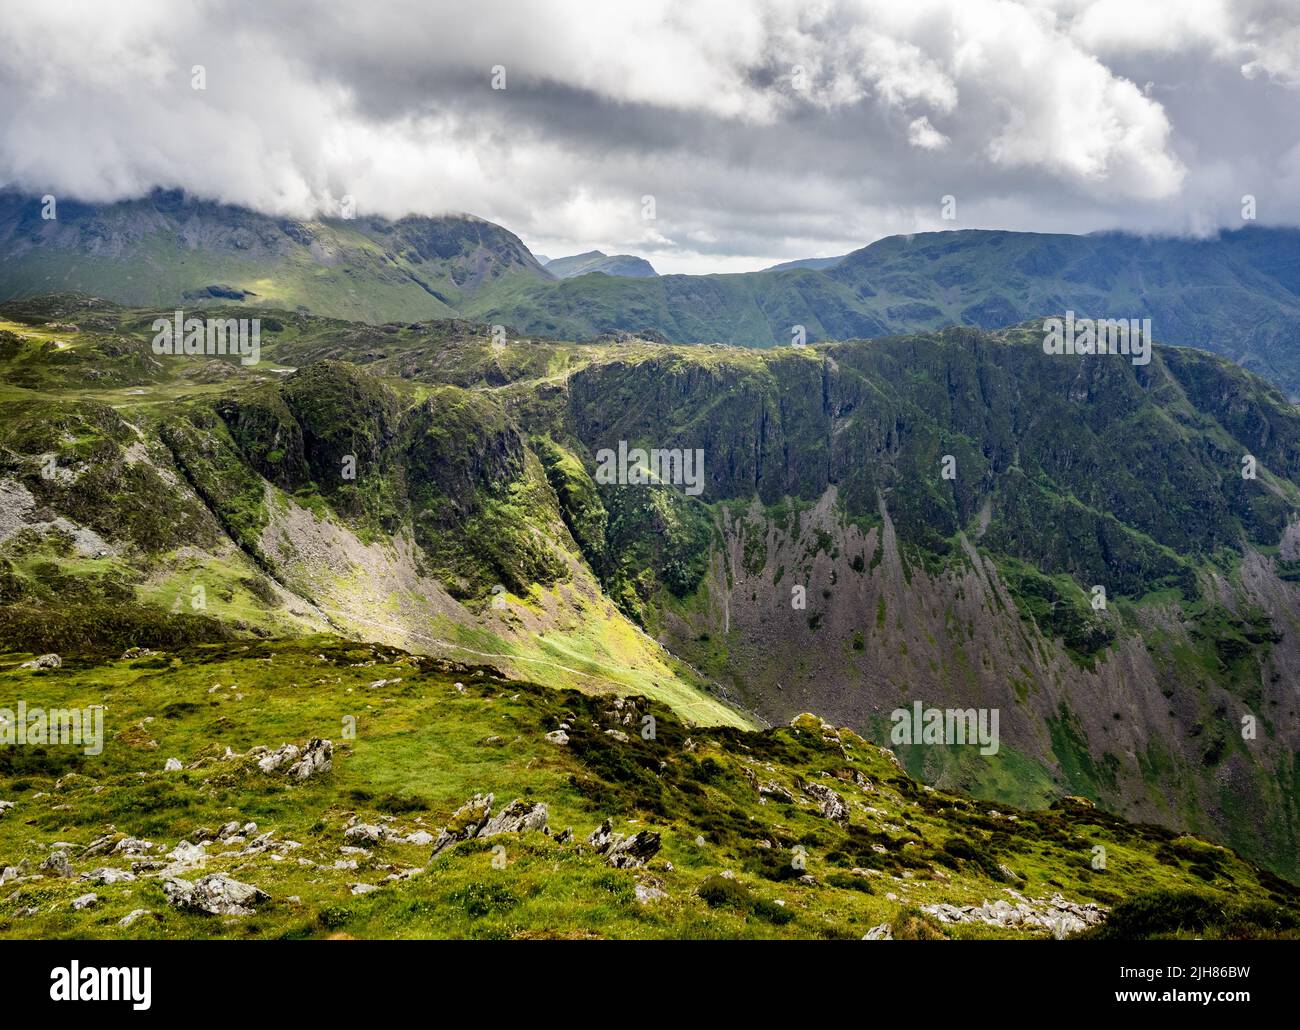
x: 955, y: 519
x: 826, y: 472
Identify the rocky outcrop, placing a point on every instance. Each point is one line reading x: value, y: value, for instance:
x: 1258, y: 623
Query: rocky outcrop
x: 316, y: 756
x: 517, y: 817
x: 465, y: 822
x: 624, y: 852
x: 215, y: 894
x: 1059, y: 917
x: 475, y: 819
x: 831, y: 804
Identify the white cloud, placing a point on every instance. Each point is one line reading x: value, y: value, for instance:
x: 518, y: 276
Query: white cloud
x: 906, y: 100
x: 924, y: 135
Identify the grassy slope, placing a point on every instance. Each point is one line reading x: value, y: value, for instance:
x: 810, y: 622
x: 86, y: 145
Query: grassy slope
x: 587, y: 654
x: 423, y: 746
x: 93, y: 381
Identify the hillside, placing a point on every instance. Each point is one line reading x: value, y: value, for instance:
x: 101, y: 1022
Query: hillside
x: 448, y: 801
x: 1236, y: 294
x: 474, y: 530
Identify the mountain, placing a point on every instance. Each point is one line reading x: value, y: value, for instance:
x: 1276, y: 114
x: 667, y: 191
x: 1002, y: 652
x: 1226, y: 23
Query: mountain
x: 1237, y: 293
x: 1096, y: 569
x: 816, y: 264
x: 595, y: 261
x: 167, y: 249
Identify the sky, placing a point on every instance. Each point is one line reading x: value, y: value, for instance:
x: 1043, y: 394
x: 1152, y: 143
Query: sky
x: 705, y: 136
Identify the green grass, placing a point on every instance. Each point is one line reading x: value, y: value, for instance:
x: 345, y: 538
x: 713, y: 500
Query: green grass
x: 422, y: 746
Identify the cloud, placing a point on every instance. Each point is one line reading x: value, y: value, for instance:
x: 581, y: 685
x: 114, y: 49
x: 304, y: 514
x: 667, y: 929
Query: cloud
x: 920, y: 133
x: 764, y: 129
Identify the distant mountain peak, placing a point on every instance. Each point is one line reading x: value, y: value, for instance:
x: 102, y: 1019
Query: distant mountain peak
x: 626, y: 265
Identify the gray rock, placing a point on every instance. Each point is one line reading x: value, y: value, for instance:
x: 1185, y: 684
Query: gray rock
x: 831, y: 804
x: 57, y: 864
x: 216, y: 894
x: 465, y: 822
x: 1057, y: 916
x: 316, y: 757
x: 558, y: 737
x: 517, y: 817
x: 646, y: 893
x: 99, y: 845
x: 133, y: 915
x: 624, y: 852
x: 286, y: 754
x: 366, y: 835
x: 85, y: 901
x: 774, y: 790
x: 882, y: 932
x: 172, y: 765
x: 185, y: 856
x: 108, y: 875
x: 45, y: 661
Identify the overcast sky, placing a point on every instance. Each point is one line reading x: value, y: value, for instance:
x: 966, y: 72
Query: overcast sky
x: 763, y: 129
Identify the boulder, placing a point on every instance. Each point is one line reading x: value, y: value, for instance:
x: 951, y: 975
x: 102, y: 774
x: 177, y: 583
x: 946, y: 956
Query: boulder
x: 831, y: 804
x: 316, y: 757
x: 186, y: 856
x: 517, y: 817
x: 646, y: 893
x: 364, y: 835
x: 108, y: 875
x: 286, y: 754
x: 465, y: 822
x: 57, y: 864
x: 85, y: 901
x: 45, y: 661
x: 215, y: 894
x: 624, y: 852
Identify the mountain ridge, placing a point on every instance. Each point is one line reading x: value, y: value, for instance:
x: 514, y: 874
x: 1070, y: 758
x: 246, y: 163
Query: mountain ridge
x: 1237, y: 293
x: 823, y: 471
